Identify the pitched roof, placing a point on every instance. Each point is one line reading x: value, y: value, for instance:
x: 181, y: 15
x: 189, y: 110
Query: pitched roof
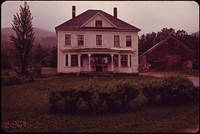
x: 162, y: 41
x: 76, y: 22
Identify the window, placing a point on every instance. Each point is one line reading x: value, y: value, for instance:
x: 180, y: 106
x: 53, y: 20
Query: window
x: 67, y: 39
x: 116, y: 40
x: 130, y: 60
x: 98, y: 40
x: 124, y: 60
x: 80, y: 40
x: 128, y: 41
x: 66, y: 60
x: 74, y: 60
x: 115, y: 60
x: 98, y: 23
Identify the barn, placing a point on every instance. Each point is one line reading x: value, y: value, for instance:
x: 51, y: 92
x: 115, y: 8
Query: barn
x: 168, y: 54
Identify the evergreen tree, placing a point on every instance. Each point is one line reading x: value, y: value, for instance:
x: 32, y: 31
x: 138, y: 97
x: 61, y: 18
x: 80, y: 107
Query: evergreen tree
x: 23, y: 39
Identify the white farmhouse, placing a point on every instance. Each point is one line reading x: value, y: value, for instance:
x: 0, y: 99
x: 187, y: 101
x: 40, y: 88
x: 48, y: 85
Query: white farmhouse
x: 96, y: 41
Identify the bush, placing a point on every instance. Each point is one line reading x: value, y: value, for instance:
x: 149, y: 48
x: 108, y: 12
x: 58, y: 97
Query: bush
x: 169, y: 90
x: 151, y: 90
x: 176, y: 89
x: 114, y: 96
x: 122, y: 92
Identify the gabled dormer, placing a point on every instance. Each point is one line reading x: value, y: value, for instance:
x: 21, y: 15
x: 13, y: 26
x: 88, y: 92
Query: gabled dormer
x: 98, y: 21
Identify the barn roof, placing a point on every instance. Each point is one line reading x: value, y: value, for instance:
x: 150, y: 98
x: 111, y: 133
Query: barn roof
x: 76, y: 22
x: 164, y: 40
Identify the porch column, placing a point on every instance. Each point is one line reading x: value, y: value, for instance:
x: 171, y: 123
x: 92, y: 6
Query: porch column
x: 69, y: 59
x: 119, y: 60
x: 112, y: 62
x: 79, y: 60
x: 128, y: 60
x: 89, y: 61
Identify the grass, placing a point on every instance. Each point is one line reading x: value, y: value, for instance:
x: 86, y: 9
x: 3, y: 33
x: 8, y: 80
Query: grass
x: 25, y: 108
x: 178, y: 72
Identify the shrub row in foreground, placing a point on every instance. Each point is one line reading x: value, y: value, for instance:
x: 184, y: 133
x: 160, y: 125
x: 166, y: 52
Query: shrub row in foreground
x: 170, y: 90
x: 117, y: 95
x: 94, y: 98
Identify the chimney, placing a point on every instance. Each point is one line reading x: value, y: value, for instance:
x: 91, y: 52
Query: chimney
x: 115, y: 12
x: 73, y: 11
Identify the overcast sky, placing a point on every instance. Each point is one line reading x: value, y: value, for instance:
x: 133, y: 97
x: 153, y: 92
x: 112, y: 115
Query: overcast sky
x: 149, y: 16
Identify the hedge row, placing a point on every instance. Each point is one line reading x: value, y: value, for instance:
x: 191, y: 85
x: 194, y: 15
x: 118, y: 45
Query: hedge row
x: 117, y: 95
x: 170, y: 90
x: 94, y: 98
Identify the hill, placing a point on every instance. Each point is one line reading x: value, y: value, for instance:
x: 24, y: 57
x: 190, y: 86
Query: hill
x: 43, y: 37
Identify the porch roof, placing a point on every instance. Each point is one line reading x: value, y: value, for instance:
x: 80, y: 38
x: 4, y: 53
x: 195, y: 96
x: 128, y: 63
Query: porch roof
x: 118, y: 50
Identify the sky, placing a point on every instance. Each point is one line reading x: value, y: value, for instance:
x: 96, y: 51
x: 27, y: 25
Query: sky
x: 149, y: 16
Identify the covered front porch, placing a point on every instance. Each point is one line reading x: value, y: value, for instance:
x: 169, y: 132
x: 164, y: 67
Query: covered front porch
x: 99, y: 61
x: 102, y: 62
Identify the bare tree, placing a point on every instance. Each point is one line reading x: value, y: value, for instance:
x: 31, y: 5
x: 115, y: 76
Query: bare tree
x: 23, y: 39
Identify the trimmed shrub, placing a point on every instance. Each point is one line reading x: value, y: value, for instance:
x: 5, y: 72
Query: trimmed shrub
x: 114, y: 96
x: 169, y: 90
x: 151, y: 90
x: 176, y: 89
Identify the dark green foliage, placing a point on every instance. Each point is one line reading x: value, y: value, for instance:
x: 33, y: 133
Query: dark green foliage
x: 170, y: 90
x: 151, y: 90
x: 97, y: 98
x: 116, y: 96
x: 176, y: 89
x: 5, y: 59
x: 120, y: 94
x: 23, y: 39
x: 150, y: 39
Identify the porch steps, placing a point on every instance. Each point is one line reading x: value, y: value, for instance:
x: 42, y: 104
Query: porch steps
x: 96, y: 73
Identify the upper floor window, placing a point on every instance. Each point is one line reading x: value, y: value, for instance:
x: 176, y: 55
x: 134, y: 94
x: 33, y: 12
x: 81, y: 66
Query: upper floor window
x: 116, y: 40
x: 67, y: 39
x: 98, y: 40
x: 80, y: 40
x: 128, y: 41
x: 98, y: 23
x: 74, y: 60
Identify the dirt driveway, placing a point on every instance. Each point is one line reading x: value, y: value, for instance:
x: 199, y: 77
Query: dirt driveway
x: 194, y: 79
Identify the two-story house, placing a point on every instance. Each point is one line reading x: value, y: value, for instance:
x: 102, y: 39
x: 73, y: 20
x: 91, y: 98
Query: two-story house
x: 97, y: 41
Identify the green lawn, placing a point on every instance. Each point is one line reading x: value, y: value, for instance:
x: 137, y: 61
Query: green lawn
x: 25, y: 108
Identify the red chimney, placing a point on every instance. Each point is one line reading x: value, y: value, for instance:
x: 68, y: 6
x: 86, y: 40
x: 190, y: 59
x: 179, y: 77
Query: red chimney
x: 115, y: 12
x: 73, y: 11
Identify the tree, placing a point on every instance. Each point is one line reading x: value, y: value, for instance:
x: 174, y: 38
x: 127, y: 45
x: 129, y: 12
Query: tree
x: 52, y: 58
x: 40, y: 55
x: 23, y: 39
x: 5, y: 59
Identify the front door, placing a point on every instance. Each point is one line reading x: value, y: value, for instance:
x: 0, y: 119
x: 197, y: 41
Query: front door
x: 99, y: 68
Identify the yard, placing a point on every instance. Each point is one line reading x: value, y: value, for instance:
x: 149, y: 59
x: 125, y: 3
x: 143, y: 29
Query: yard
x: 25, y: 108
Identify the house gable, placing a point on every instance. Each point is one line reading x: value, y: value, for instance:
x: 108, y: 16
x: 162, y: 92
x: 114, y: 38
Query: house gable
x: 91, y: 23
x: 168, y: 44
x: 87, y: 19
